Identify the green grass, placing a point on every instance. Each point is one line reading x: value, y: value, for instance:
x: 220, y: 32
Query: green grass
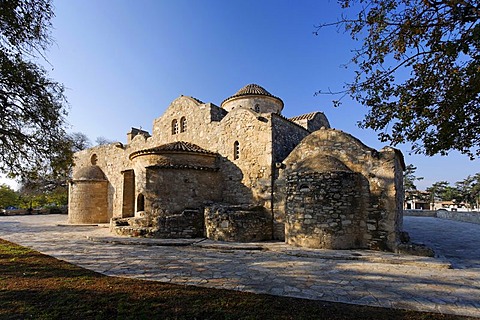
x: 35, y: 286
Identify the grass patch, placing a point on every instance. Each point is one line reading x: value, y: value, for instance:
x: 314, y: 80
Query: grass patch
x: 36, y: 286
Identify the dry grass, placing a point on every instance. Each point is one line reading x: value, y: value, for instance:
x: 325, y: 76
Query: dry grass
x: 36, y: 286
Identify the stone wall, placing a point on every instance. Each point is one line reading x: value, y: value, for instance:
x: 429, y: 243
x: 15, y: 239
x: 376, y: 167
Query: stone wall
x: 88, y: 202
x: 244, y: 180
x: 472, y: 217
x: 247, y: 178
x: 286, y: 135
x: 187, y: 224
x: 312, y: 121
x: 382, y: 172
x: 326, y: 210
x: 170, y: 191
x: 262, y: 103
x: 237, y: 223
x: 419, y: 213
x: 254, y: 165
x: 113, y: 160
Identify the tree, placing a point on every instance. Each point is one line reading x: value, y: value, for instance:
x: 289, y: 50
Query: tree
x: 418, y: 71
x: 100, y: 141
x: 437, y: 191
x: 469, y: 190
x: 8, y: 196
x: 409, y: 178
x: 32, y: 106
x: 53, y: 177
x: 476, y: 190
x: 411, y: 191
x: 48, y: 185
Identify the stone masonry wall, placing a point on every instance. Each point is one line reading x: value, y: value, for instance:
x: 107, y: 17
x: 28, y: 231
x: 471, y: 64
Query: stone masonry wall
x: 237, y: 223
x: 326, y: 210
x: 244, y: 180
x: 264, y: 104
x: 382, y: 170
x: 171, y: 191
x: 89, y: 203
x: 286, y: 135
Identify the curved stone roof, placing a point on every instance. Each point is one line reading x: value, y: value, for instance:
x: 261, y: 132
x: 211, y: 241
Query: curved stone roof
x: 90, y: 173
x: 178, y: 146
x: 252, y: 90
x: 321, y: 163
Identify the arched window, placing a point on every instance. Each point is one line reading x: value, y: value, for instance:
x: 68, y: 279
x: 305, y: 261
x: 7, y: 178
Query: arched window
x: 93, y: 159
x: 183, y: 124
x: 236, y: 150
x: 140, y: 202
x: 175, y: 128
x: 257, y: 108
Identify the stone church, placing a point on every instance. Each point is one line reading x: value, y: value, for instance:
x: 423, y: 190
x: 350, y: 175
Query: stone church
x: 242, y: 172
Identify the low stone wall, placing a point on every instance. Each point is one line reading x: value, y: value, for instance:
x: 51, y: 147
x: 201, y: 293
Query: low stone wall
x: 238, y: 223
x: 188, y: 224
x: 420, y: 213
x: 472, y: 217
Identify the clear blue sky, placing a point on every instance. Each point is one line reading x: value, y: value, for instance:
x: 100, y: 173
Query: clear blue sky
x: 124, y: 61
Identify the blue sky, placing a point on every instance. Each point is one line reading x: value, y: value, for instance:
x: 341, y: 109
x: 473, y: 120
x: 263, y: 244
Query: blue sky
x: 124, y: 61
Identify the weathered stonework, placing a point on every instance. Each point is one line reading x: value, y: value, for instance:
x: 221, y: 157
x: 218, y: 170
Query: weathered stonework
x: 88, y: 195
x: 374, y: 199
x: 237, y: 173
x: 326, y: 210
x: 238, y: 223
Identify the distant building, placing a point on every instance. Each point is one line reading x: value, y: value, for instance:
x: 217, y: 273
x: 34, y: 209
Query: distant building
x: 417, y: 200
x: 242, y: 172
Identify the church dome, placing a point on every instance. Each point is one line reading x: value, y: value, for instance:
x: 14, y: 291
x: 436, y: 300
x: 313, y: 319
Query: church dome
x: 254, y: 97
x: 320, y: 163
x: 90, y: 173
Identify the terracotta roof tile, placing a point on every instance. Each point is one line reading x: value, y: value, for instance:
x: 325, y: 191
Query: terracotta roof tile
x: 306, y: 116
x: 178, y: 146
x: 252, y: 90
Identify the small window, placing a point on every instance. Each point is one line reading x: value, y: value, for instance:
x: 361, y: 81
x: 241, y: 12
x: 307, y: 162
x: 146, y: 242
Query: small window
x: 183, y: 124
x: 140, y: 202
x: 93, y: 159
x: 175, y: 128
x: 236, y: 150
x: 257, y: 108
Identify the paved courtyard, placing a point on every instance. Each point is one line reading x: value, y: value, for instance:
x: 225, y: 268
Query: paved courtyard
x: 351, y: 276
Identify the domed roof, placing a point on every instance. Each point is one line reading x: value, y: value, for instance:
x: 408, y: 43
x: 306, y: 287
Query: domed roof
x: 178, y: 146
x: 322, y: 163
x: 90, y: 173
x: 252, y: 90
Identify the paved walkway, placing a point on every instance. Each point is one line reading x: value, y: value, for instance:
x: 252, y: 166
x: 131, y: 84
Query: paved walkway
x: 350, y: 276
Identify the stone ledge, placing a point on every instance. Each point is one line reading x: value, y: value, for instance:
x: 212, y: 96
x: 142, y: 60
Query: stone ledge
x: 282, y: 248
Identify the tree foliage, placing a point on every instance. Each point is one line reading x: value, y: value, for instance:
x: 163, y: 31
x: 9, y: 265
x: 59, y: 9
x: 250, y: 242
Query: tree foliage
x: 8, y: 196
x: 418, y: 71
x: 100, y: 141
x: 33, y: 106
x: 53, y: 178
x: 409, y: 178
x: 465, y: 191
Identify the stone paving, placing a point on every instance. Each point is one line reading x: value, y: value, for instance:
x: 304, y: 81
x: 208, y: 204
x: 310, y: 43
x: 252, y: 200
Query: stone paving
x: 350, y: 276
